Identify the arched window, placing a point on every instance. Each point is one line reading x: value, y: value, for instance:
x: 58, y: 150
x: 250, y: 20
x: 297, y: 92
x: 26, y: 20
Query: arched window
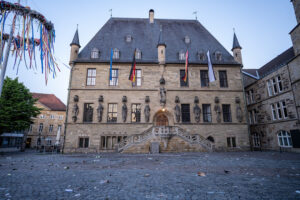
x: 210, y: 138
x: 95, y: 53
x: 284, y: 139
x: 116, y: 54
x: 256, y: 140
x: 187, y: 39
x: 218, y: 55
x: 181, y: 55
x: 138, y: 54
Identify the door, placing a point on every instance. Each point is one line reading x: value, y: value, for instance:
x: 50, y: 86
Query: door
x: 161, y: 120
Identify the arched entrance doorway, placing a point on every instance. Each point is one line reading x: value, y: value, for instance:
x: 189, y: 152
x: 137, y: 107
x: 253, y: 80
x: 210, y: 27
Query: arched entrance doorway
x: 161, y: 120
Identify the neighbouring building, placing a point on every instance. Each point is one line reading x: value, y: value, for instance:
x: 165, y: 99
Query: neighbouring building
x: 158, y: 111
x: 273, y: 98
x: 48, y: 127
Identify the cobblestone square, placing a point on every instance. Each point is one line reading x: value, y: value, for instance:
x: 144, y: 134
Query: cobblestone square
x: 231, y: 175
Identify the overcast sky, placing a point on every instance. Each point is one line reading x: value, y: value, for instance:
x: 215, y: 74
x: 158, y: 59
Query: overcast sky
x: 262, y: 28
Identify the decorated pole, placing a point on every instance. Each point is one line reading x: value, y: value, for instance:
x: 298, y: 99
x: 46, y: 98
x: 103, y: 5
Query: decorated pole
x: 24, y: 43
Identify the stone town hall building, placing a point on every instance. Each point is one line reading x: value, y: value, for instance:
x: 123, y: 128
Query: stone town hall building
x: 159, y: 111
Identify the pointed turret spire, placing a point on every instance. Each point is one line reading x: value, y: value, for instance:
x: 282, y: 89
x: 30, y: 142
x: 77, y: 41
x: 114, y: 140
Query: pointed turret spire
x: 160, y: 39
x: 236, y: 43
x: 75, y: 40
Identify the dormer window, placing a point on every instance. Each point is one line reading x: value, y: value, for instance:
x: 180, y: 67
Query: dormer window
x: 181, y: 55
x: 128, y: 38
x: 116, y: 54
x: 201, y: 55
x: 187, y: 39
x: 95, y: 53
x: 218, y: 56
x: 138, y: 54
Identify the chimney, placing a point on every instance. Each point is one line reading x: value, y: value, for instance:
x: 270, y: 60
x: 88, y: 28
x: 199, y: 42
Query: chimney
x: 151, y: 16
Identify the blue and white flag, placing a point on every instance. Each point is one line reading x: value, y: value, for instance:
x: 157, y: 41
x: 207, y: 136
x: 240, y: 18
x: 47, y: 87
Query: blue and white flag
x: 211, y: 74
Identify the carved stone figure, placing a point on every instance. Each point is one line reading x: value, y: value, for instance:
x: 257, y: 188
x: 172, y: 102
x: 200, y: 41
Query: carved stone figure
x: 177, y: 100
x: 177, y: 113
x: 196, y: 100
x: 100, y: 112
x: 75, y: 112
x: 147, y: 113
x: 162, y: 96
x: 239, y: 113
x: 197, y: 111
x: 124, y: 112
x: 217, y: 109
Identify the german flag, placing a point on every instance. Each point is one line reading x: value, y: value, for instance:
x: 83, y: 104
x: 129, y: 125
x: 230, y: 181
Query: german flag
x: 184, y: 78
x: 132, y: 70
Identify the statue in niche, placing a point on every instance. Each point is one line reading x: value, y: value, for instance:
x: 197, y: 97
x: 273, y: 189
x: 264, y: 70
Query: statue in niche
x: 197, y: 112
x: 124, y: 112
x: 239, y: 113
x: 75, y: 112
x: 147, y: 113
x: 100, y: 112
x: 162, y: 95
x: 217, y: 109
x: 177, y: 113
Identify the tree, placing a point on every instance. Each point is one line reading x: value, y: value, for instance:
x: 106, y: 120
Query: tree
x: 16, y: 107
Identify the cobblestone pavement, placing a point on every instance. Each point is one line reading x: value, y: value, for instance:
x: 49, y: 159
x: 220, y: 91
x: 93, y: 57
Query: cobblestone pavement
x: 234, y: 175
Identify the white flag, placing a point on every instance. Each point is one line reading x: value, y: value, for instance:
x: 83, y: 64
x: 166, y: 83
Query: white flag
x: 211, y: 74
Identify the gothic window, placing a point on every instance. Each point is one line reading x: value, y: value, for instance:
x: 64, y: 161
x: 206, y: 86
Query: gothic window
x: 182, y: 82
x: 138, y: 78
x: 88, y: 112
x: 181, y: 55
x: 231, y: 142
x: 226, y: 112
x: 112, y: 112
x: 136, y: 112
x: 206, y: 112
x: 41, y: 127
x: 185, y: 113
x: 116, y: 53
x: 114, y: 77
x: 50, y: 128
x: 187, y: 40
x: 204, y: 78
x: 83, y: 142
x: 284, y: 139
x: 91, y: 77
x: 95, y: 53
x: 223, y: 79
x: 138, y: 54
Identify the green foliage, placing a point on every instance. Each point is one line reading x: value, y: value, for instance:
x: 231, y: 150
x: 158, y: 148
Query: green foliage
x: 16, y: 107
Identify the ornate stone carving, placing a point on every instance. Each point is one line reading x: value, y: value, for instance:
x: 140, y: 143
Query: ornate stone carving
x: 217, y: 109
x: 163, y: 96
x: 124, y: 99
x: 239, y: 113
x: 75, y: 109
x: 147, y: 113
x: 100, y: 109
x: 177, y: 113
x: 177, y: 100
x: 197, y: 110
x: 147, y: 99
x: 162, y: 81
x: 124, y: 112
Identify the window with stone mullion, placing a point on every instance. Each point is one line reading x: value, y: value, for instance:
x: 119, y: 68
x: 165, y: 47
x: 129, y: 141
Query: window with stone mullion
x: 204, y: 78
x: 206, y: 112
x: 223, y: 79
x: 112, y: 113
x: 226, y: 112
x: 136, y: 113
x: 185, y: 113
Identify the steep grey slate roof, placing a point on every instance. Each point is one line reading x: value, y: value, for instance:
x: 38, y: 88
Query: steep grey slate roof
x: 276, y: 63
x: 76, y: 39
x: 145, y: 37
x: 236, y: 43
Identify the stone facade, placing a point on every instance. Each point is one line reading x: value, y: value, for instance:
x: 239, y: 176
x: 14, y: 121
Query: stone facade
x: 46, y: 136
x: 161, y: 91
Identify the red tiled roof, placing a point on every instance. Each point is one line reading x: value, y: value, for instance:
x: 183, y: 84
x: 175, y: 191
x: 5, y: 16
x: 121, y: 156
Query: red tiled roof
x: 50, y: 100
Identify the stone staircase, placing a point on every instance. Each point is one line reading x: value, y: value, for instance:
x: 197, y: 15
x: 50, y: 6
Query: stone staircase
x: 165, y: 132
